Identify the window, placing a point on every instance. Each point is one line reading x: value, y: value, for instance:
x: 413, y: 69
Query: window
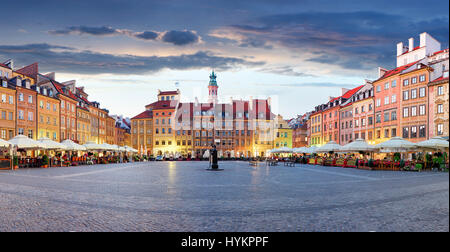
x: 405, y: 95
x: 405, y: 132
x: 394, y: 98
x: 394, y: 132
x: 413, y: 93
x: 406, y: 82
x: 386, y: 133
x: 440, y: 90
x: 414, y: 111
x: 30, y: 99
x: 378, y: 102
x: 394, y: 83
x: 386, y: 85
x: 440, y: 129
x: 405, y: 112
x: 422, y: 110
x: 413, y: 131
x: 370, y: 120
x: 440, y: 108
x: 422, y: 78
x: 413, y: 80
x: 386, y: 100
x: 394, y: 115
x: 378, y: 89
x: 422, y: 92
x: 422, y: 131
x: 378, y: 118
x: 386, y: 116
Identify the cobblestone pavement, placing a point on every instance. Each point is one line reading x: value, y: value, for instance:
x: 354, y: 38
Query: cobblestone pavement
x: 183, y: 196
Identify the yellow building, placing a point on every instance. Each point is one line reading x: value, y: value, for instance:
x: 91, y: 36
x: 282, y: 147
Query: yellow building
x: 83, y: 125
x: 48, y: 122
x: 141, y: 128
x: 283, y: 133
x: 316, y: 129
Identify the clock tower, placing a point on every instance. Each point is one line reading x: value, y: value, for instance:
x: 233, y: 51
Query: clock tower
x: 212, y: 88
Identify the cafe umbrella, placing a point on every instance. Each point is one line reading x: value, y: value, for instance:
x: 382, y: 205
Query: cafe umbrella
x: 23, y: 142
x: 51, y: 145
x: 396, y: 144
x: 72, y: 146
x: 331, y: 146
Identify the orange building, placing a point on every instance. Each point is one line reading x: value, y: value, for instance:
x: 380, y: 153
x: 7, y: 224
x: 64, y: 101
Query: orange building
x: 7, y: 108
x: 387, y: 96
x: 26, y: 107
x: 414, y: 103
x: 48, y: 124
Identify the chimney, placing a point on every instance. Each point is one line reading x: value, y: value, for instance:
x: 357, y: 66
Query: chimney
x: 9, y: 63
x: 399, y: 48
x: 250, y: 103
x: 381, y: 72
x: 51, y: 75
x: 411, y: 44
x: 269, y: 101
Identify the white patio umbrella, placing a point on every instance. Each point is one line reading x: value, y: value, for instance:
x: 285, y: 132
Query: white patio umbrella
x: 282, y: 150
x: 91, y: 146
x: 23, y: 142
x: 311, y: 150
x: 4, y: 144
x: 72, y: 146
x: 107, y: 147
x: 437, y: 143
x: 330, y: 146
x: 358, y: 145
x: 396, y: 144
x: 299, y: 150
x: 130, y: 149
x: 51, y: 145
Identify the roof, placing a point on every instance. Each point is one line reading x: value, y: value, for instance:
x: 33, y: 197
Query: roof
x: 30, y: 70
x: 441, y: 51
x: 415, y: 48
x: 162, y: 104
x: 396, y: 70
x: 350, y: 93
x: 59, y: 88
x: 144, y: 115
x: 439, y: 79
x: 5, y: 66
x: 168, y: 93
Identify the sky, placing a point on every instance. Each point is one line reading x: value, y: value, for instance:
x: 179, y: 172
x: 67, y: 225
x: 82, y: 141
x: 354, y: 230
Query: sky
x: 299, y: 52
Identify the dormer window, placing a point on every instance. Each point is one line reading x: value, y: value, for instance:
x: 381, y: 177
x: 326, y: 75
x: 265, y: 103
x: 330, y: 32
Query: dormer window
x: 4, y: 83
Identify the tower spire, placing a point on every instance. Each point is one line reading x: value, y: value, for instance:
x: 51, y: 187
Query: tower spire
x: 212, y: 88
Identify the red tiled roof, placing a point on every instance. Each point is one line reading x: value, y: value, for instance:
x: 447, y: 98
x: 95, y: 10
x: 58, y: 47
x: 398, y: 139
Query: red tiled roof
x: 143, y: 115
x: 30, y: 70
x: 3, y: 65
x: 59, y: 88
x: 168, y: 93
x: 440, y: 51
x: 396, y: 70
x: 350, y: 93
x: 439, y: 79
x: 415, y: 48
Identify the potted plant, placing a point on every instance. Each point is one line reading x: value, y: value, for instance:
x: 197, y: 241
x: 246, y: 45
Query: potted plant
x: 15, y: 162
x: 45, y: 161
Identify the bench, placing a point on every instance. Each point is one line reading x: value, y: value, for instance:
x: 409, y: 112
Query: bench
x: 272, y: 162
x: 289, y: 163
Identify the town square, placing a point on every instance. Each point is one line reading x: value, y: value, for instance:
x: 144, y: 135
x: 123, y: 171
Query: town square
x: 225, y: 116
x: 182, y: 196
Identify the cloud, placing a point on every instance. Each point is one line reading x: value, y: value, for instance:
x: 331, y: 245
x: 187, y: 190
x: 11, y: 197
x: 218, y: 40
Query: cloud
x: 89, y: 30
x: 147, y: 35
x: 180, y: 37
x: 358, y: 40
x: 70, y: 60
x: 285, y: 70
